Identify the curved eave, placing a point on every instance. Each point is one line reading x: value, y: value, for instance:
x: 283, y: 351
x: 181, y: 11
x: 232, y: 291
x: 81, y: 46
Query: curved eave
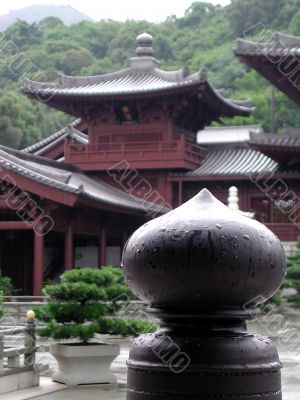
x: 48, y: 140
x: 283, y: 45
x: 24, y: 180
x: 51, y: 94
x: 64, y: 195
x: 67, y: 185
x: 266, y: 59
x: 225, y: 107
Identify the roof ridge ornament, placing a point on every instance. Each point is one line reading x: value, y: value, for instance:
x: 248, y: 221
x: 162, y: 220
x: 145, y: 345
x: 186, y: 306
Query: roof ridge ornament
x: 144, y: 42
x: 144, y: 53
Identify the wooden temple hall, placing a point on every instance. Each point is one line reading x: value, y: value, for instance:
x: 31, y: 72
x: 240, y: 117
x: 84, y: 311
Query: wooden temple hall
x: 139, y: 145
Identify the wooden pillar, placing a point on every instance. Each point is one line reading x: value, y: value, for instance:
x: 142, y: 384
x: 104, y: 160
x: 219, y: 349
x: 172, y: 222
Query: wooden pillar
x: 102, y: 248
x: 68, y: 249
x: 124, y: 239
x: 38, y: 263
x: 180, y: 192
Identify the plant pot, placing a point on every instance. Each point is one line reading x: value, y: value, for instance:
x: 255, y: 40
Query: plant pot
x: 84, y: 363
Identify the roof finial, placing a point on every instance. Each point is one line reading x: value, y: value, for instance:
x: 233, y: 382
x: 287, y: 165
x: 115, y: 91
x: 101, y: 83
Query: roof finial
x: 233, y: 198
x: 144, y: 42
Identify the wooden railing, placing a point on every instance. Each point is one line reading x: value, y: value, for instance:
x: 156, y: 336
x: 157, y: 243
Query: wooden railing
x: 163, y: 151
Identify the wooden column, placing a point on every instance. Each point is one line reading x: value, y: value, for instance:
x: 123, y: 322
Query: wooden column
x: 180, y: 194
x: 69, y: 249
x: 102, y: 248
x: 38, y: 263
x: 124, y: 239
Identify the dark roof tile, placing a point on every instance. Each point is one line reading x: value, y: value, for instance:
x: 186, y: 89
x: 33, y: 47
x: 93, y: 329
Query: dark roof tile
x: 70, y: 179
x: 235, y: 161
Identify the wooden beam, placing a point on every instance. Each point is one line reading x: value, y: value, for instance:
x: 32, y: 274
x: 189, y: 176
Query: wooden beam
x: 15, y: 225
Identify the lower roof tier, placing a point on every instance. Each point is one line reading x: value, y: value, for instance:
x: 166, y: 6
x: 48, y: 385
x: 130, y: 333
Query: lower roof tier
x: 66, y: 184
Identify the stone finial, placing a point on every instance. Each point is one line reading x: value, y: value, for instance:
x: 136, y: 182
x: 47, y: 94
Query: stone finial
x: 203, y: 268
x: 233, y: 198
x: 201, y: 249
x: 144, y: 42
x: 233, y: 202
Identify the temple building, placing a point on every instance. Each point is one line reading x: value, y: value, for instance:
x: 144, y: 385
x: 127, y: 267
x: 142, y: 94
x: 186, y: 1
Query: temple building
x: 139, y: 145
x: 278, y: 62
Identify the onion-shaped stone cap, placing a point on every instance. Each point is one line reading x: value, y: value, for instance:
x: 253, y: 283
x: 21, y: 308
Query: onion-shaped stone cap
x: 203, y: 254
x: 144, y: 42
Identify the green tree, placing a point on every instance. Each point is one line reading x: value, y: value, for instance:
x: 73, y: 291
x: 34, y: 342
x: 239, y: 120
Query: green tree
x: 49, y: 23
x: 73, y: 60
x: 196, y: 14
x: 9, y: 135
x: 85, y: 302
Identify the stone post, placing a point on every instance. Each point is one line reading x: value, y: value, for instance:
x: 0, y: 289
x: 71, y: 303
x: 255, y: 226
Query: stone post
x: 30, y: 339
x: 203, y: 269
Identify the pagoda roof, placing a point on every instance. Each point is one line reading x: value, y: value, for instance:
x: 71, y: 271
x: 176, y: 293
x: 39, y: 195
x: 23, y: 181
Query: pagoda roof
x: 133, y: 82
x: 143, y: 78
x: 68, y: 184
x: 277, y: 61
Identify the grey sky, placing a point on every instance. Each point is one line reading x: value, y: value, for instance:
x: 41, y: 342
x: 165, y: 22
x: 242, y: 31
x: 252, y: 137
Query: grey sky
x: 153, y: 10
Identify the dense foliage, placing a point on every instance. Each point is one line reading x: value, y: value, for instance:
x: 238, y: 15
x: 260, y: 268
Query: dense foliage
x: 204, y: 37
x: 6, y: 286
x: 89, y: 301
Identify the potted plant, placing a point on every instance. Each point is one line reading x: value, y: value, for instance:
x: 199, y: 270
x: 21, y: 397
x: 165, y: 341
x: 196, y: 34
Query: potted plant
x: 85, y: 302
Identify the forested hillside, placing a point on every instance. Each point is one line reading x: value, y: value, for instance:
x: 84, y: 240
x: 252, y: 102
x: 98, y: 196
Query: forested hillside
x: 203, y: 38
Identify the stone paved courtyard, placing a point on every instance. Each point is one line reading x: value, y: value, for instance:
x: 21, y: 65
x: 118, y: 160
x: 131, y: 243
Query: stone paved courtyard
x: 53, y: 391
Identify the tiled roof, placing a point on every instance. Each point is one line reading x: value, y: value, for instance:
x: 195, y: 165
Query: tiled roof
x: 59, y: 135
x: 70, y: 179
x: 143, y: 78
x: 235, y: 161
x: 277, y: 61
x: 281, y: 45
x: 275, y: 140
x: 134, y: 82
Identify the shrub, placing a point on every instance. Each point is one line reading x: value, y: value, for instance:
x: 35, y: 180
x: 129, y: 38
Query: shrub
x: 88, y: 301
x: 6, y: 286
x: 1, y: 304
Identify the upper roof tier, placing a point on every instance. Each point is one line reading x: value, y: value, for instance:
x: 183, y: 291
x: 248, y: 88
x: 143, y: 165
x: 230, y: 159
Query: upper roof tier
x: 277, y: 61
x: 143, y: 78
